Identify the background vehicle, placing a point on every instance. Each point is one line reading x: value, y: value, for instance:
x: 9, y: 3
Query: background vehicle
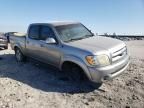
x: 3, y: 41
x: 8, y: 35
x: 72, y: 48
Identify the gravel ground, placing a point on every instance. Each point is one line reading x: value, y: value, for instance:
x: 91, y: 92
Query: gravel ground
x: 36, y: 85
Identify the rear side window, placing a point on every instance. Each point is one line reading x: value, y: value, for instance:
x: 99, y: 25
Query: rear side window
x: 46, y: 32
x: 34, y: 32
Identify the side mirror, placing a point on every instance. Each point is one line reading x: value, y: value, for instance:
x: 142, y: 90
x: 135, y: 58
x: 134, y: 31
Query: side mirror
x: 50, y: 41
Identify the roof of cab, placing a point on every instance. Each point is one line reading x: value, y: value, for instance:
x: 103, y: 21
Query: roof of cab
x: 57, y: 23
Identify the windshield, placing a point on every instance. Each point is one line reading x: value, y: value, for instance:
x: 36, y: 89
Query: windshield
x: 72, y: 32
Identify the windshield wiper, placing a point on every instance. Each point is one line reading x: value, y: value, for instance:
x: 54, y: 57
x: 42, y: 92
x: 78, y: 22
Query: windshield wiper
x: 73, y: 39
x: 80, y: 38
x: 88, y: 36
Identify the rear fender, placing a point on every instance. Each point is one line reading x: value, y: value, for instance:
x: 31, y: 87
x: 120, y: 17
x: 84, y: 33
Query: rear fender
x: 18, y: 46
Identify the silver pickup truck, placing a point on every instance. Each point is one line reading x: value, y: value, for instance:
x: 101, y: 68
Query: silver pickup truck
x: 72, y: 48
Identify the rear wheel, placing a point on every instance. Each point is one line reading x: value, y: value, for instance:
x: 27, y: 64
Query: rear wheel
x: 19, y: 56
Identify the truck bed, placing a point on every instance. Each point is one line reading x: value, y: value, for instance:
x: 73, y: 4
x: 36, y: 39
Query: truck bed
x: 18, y: 39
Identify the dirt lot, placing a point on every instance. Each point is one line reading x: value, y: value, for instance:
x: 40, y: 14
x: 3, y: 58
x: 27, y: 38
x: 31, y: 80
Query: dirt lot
x: 36, y: 85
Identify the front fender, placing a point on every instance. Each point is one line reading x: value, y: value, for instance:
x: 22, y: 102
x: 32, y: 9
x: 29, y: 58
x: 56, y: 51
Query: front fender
x: 76, y: 60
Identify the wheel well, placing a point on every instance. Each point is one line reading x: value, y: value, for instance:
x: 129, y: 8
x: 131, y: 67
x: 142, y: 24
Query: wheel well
x: 69, y: 63
x: 15, y: 47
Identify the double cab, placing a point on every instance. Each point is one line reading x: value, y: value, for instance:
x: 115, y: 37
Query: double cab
x: 72, y: 48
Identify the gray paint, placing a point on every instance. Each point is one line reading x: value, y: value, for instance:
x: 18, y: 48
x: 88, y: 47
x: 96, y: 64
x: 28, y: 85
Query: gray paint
x: 76, y: 51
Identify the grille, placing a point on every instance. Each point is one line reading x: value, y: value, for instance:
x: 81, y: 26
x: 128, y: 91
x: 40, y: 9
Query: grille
x: 118, y: 55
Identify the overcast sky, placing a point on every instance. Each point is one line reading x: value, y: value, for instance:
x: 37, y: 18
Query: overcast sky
x: 120, y: 16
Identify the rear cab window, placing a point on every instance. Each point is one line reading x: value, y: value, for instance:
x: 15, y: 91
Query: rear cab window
x: 34, y: 32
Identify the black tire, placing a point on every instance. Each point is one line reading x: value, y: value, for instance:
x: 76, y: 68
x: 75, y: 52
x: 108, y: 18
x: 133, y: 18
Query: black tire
x: 94, y: 85
x: 19, y: 56
x: 73, y: 72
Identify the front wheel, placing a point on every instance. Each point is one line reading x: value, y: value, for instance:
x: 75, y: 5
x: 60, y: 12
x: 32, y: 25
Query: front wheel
x: 19, y: 56
x: 73, y: 72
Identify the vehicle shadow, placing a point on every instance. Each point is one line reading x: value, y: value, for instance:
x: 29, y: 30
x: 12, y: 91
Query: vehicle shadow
x: 41, y: 76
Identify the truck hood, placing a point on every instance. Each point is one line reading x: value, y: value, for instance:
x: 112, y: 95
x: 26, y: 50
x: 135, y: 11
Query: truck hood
x: 98, y: 43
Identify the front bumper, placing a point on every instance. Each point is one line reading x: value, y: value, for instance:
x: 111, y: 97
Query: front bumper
x: 109, y: 72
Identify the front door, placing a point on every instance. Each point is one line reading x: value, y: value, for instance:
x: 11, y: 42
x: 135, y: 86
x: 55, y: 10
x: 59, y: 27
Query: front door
x: 49, y: 53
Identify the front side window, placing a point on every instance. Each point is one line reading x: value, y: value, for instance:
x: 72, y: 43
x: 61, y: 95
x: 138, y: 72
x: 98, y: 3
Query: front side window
x: 46, y: 32
x: 73, y: 32
x: 34, y: 32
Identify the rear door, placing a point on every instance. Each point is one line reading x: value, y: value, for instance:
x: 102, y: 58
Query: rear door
x: 33, y: 42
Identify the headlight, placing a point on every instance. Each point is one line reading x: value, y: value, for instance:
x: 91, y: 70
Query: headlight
x: 99, y: 60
